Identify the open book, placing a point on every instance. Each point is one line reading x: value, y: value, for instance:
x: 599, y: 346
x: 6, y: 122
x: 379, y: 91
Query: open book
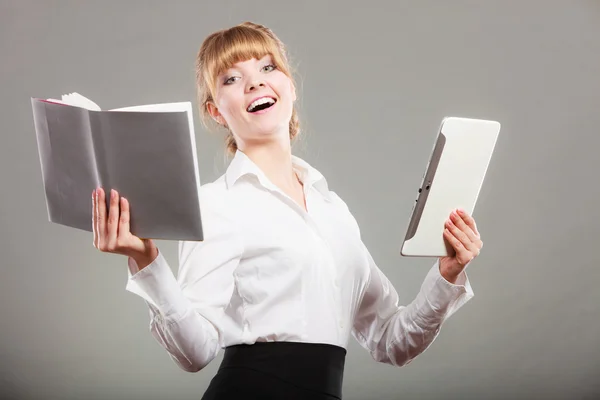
x: 146, y: 153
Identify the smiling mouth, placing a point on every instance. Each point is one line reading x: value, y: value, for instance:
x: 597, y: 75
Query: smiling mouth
x: 261, y: 104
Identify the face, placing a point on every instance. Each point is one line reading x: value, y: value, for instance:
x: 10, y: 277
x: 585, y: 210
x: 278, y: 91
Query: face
x: 255, y: 100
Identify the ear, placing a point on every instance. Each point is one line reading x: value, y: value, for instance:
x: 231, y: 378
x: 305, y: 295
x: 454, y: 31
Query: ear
x: 213, y: 111
x: 293, y: 91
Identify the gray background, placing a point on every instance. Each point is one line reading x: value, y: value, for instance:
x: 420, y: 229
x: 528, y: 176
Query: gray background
x: 375, y: 80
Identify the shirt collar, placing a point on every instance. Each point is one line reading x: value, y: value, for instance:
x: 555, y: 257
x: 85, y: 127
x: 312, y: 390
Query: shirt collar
x: 242, y: 165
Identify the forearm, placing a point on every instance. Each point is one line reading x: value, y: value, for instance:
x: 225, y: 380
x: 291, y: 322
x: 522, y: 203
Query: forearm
x: 419, y: 324
x: 397, y: 334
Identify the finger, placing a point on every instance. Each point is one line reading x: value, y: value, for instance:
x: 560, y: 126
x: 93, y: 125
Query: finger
x: 460, y: 224
x: 94, y: 218
x: 454, y: 241
x: 101, y: 215
x: 469, y: 221
x: 124, y: 220
x: 462, y: 236
x: 463, y: 255
x: 112, y: 225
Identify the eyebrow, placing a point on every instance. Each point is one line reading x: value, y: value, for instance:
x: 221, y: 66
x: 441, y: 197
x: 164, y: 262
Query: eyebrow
x: 233, y: 67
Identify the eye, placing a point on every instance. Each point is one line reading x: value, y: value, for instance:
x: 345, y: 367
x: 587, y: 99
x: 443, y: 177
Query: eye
x: 230, y: 80
x: 269, y: 68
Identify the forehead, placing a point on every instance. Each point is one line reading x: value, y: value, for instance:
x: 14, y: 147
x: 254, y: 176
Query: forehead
x: 232, y: 54
x: 248, y: 63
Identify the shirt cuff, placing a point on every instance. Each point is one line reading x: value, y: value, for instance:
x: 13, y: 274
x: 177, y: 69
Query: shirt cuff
x: 443, y: 297
x: 157, y: 285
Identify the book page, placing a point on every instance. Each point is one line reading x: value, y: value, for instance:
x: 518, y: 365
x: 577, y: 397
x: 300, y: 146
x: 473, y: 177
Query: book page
x: 68, y: 162
x: 164, y: 107
x: 77, y: 100
x: 150, y: 158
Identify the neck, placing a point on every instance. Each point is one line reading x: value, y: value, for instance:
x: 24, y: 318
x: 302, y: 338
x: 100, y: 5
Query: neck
x: 275, y: 160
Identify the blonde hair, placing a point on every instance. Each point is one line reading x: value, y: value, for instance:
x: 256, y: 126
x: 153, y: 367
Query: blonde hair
x: 222, y: 49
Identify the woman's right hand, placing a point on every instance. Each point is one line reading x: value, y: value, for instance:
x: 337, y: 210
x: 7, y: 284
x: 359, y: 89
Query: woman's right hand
x: 112, y: 234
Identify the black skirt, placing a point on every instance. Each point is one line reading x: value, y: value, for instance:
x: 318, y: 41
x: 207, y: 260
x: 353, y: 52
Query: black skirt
x: 279, y: 370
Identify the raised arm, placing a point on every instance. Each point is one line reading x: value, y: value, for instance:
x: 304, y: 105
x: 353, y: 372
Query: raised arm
x: 395, y: 334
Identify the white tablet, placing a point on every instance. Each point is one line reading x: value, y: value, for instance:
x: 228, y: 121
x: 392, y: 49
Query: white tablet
x: 453, y: 178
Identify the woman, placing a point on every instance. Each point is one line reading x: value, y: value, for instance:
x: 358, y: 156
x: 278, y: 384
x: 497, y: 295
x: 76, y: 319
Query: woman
x: 282, y: 278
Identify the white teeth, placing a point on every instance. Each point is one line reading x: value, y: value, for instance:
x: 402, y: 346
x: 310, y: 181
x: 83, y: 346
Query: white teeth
x: 260, y: 101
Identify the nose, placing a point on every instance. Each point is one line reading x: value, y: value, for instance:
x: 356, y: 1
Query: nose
x: 254, y: 83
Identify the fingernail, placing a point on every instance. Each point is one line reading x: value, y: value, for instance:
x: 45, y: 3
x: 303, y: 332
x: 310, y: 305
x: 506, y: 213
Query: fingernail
x: 112, y: 193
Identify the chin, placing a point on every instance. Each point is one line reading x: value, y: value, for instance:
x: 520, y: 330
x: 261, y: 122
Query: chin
x: 270, y: 128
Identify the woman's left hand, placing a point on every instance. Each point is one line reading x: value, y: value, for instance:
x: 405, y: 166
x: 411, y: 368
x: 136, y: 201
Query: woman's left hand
x: 461, y: 232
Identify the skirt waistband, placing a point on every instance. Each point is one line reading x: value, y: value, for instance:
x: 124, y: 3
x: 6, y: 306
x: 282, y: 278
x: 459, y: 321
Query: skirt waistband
x: 312, y: 366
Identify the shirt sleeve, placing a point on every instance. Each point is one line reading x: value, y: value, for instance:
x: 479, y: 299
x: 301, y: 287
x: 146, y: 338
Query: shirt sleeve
x: 395, y: 334
x: 185, y: 311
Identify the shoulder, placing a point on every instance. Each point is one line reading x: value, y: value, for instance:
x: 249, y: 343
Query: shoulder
x: 337, y: 200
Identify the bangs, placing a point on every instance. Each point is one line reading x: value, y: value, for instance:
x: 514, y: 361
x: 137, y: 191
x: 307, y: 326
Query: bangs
x: 234, y: 45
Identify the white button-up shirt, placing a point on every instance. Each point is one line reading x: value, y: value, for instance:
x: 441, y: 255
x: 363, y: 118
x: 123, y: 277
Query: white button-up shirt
x: 270, y: 271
